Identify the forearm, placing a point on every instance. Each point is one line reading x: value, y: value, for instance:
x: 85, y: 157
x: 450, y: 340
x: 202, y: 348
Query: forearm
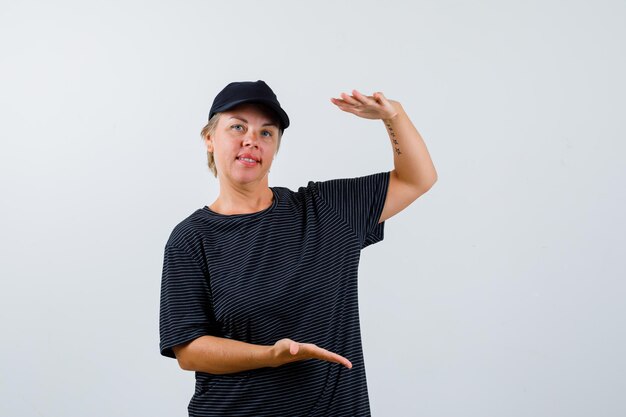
x: 218, y: 355
x: 411, y: 159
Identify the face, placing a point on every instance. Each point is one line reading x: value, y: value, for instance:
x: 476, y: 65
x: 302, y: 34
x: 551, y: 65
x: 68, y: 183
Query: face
x: 244, y: 130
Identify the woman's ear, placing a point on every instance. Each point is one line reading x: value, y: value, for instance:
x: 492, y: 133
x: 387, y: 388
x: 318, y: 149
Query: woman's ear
x: 209, y: 143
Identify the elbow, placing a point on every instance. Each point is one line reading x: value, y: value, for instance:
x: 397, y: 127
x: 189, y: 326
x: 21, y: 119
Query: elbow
x: 182, y: 359
x: 426, y: 185
x: 188, y: 360
x: 183, y: 364
x: 432, y: 180
x: 433, y: 177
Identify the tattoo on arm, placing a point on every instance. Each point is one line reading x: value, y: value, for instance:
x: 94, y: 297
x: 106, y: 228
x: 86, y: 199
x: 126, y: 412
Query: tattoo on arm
x: 393, y: 137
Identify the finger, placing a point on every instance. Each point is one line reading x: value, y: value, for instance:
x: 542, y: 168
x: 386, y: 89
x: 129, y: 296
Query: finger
x: 343, y: 105
x: 340, y: 360
x: 363, y: 99
x: 332, y: 357
x: 338, y: 101
x: 349, y: 99
x: 346, y: 107
x: 380, y: 97
x: 349, y: 109
x: 294, y: 347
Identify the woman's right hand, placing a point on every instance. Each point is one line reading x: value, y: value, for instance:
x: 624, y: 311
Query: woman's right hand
x: 286, y: 351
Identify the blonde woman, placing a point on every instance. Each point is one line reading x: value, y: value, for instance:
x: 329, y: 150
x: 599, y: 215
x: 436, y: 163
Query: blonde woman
x: 259, y: 288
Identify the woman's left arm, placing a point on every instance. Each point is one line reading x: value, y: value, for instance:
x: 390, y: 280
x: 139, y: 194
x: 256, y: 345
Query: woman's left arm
x: 414, y: 172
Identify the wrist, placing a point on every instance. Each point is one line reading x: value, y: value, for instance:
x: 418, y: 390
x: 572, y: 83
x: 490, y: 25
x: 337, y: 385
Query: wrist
x: 269, y: 356
x: 398, y: 110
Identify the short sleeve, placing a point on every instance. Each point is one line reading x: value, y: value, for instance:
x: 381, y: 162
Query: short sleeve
x: 185, y: 302
x: 359, y: 202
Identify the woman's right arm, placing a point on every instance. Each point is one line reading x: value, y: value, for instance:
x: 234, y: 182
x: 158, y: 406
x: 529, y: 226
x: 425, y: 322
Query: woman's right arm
x: 219, y: 355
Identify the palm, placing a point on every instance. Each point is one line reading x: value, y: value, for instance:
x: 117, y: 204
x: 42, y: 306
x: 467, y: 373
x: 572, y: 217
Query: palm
x: 376, y: 106
x: 288, y: 350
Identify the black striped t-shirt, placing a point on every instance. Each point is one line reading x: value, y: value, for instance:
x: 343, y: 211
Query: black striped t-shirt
x: 288, y: 271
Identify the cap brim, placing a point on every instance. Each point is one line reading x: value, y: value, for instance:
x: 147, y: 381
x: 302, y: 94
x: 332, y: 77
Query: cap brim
x: 284, y: 119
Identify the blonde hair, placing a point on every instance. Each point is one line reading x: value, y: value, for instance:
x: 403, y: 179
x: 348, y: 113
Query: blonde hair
x: 209, y: 130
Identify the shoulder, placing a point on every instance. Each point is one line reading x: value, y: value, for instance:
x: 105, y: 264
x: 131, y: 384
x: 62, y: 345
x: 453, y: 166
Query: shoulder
x: 185, y: 232
x: 352, y: 187
x: 336, y: 190
x: 299, y: 196
x: 378, y: 178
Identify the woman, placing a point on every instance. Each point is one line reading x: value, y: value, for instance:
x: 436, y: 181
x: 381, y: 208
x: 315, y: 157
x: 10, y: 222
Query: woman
x: 259, y: 289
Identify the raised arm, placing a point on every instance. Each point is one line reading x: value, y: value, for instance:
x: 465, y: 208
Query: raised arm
x: 414, y: 172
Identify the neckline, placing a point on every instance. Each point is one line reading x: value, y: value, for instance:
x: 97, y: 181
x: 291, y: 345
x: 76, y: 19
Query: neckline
x: 255, y: 214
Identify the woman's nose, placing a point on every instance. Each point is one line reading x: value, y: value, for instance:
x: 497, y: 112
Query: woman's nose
x: 251, y: 137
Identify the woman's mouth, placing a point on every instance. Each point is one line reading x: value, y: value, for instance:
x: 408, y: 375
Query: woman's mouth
x: 247, y: 161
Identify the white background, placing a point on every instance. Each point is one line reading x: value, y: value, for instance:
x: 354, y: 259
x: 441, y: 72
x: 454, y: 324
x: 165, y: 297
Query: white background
x: 500, y: 292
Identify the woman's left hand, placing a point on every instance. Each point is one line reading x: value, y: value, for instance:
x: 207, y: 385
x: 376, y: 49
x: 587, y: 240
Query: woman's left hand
x: 376, y: 106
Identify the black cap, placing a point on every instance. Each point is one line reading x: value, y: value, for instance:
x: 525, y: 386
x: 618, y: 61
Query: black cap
x: 240, y: 92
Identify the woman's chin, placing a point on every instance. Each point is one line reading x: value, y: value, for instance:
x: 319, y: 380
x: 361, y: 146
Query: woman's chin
x: 247, y: 177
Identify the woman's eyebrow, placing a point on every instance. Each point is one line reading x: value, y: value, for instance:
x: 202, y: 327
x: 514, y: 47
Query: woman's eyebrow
x: 245, y: 121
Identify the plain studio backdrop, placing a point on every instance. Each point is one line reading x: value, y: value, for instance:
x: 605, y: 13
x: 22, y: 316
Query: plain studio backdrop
x: 500, y: 292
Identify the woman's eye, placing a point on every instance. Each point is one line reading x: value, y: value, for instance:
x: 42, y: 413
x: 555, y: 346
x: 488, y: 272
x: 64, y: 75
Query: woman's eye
x: 268, y: 133
x: 237, y: 126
